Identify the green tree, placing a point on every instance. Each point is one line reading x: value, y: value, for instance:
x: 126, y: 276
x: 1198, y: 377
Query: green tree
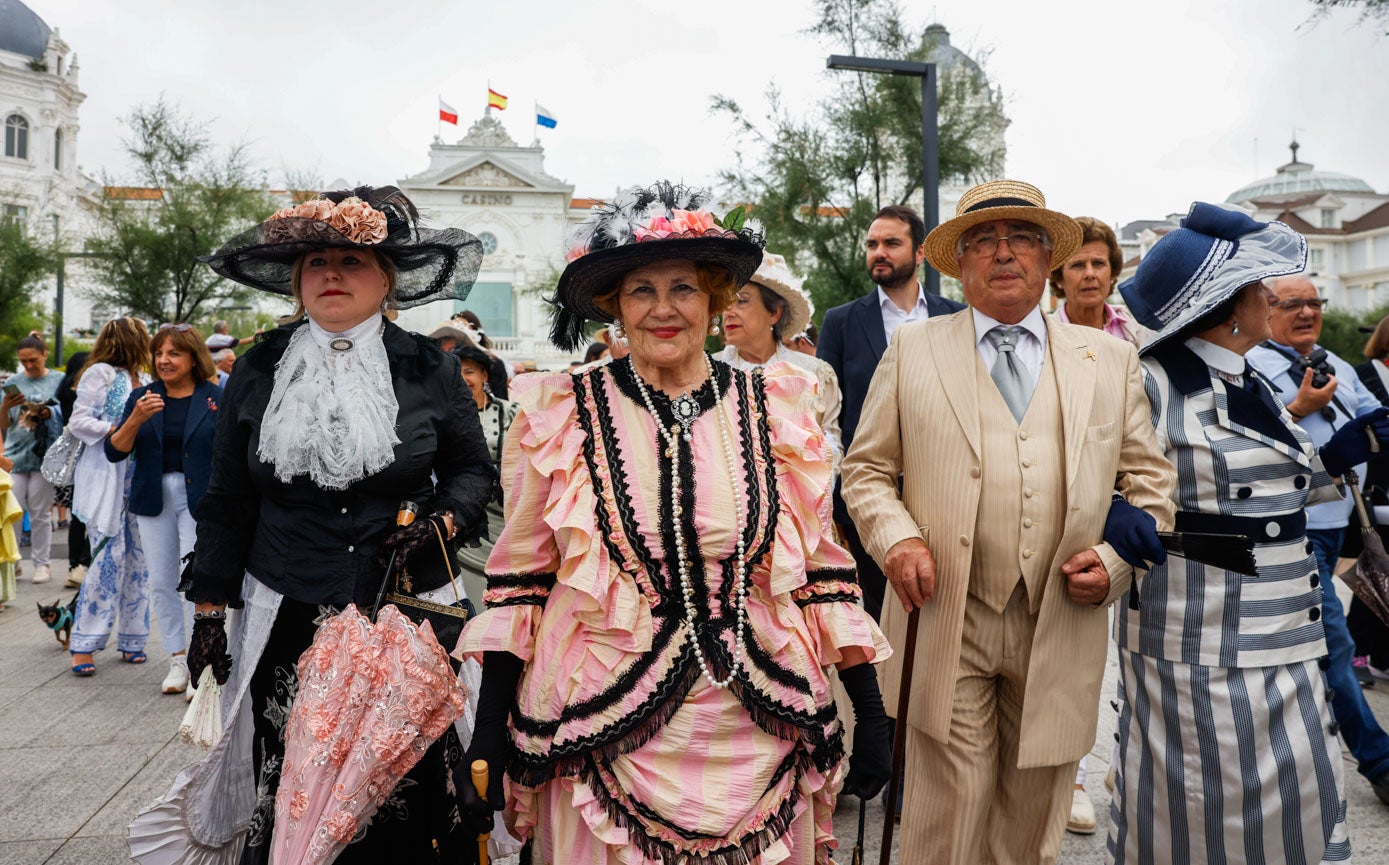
x: 1376, y: 11
x: 1340, y: 331
x: 23, y: 264
x: 187, y: 198
x: 815, y: 181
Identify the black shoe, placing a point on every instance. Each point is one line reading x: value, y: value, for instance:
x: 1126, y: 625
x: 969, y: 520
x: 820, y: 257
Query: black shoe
x: 1381, y: 787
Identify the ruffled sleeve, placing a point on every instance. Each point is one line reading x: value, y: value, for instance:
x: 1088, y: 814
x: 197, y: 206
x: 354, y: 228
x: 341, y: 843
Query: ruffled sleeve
x: 87, y: 423
x: 807, y: 561
x: 523, y: 565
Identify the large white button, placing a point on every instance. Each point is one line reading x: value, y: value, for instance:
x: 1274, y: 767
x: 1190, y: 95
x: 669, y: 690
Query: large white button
x: 1027, y: 523
x: 1026, y: 463
x: 964, y: 540
x: 1022, y: 434
x: 1273, y: 530
x: 344, y: 510
x: 1027, y: 493
x: 351, y: 549
x: 974, y: 471
x: 1027, y: 554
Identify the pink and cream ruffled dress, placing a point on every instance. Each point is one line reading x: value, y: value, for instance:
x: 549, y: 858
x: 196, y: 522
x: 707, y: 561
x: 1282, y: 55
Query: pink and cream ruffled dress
x: 625, y: 752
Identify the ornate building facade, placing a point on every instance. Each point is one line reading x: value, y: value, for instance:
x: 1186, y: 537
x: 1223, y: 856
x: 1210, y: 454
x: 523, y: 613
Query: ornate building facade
x: 40, y: 184
x: 499, y: 191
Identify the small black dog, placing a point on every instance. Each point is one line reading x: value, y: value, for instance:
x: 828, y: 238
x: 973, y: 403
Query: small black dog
x: 58, y: 617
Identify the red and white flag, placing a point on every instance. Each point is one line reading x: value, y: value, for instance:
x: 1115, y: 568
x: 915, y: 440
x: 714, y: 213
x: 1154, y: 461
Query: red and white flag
x: 447, y: 113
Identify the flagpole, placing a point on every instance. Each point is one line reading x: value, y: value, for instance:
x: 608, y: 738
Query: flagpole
x: 535, y: 135
x: 487, y: 112
x: 439, y: 120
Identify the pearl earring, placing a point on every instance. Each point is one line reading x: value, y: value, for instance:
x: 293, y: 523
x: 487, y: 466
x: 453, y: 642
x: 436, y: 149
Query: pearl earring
x: 714, y: 326
x: 1234, y: 329
x: 619, y: 331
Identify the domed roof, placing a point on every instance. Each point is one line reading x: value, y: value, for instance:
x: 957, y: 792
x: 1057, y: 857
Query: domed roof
x: 21, y: 31
x: 1295, y: 180
x: 942, y: 53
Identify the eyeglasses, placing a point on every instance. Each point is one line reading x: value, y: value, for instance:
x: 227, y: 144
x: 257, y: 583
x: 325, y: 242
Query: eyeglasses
x: 178, y: 327
x: 1018, y: 241
x: 1317, y: 304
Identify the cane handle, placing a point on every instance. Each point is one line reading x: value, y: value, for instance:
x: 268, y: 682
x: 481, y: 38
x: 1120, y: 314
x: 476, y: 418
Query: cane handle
x: 480, y: 782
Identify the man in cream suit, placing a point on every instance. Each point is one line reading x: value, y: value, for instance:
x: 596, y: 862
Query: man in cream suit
x: 1010, y: 433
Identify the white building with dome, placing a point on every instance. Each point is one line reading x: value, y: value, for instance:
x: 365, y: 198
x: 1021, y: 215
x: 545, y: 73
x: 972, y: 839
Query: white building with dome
x: 1345, y: 221
x: 40, y: 184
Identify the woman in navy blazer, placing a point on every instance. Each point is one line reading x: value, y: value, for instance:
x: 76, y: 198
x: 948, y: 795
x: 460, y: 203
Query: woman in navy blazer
x: 168, y: 425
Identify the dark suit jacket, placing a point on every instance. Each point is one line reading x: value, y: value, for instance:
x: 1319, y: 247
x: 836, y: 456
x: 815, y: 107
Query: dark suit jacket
x: 146, y: 486
x: 852, y: 341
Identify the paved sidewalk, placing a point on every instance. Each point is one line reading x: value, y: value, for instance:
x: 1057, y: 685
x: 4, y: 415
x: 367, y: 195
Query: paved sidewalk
x: 79, y: 757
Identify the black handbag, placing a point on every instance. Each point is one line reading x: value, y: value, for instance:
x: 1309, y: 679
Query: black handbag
x: 446, y: 620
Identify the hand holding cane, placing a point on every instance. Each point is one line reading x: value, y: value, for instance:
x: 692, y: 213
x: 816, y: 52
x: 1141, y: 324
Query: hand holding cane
x: 480, y: 781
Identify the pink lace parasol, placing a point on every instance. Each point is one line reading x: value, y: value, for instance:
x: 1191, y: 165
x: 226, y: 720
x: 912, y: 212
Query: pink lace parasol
x: 372, y: 699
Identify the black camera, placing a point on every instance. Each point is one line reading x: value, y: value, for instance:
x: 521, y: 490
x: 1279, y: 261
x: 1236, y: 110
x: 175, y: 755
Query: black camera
x: 1321, y: 368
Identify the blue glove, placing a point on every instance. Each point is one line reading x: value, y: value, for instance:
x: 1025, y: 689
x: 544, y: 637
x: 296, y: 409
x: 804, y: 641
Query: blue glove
x: 1132, y: 532
x: 1351, y: 445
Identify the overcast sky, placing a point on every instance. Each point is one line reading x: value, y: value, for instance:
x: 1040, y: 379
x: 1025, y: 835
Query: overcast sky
x: 1121, y: 110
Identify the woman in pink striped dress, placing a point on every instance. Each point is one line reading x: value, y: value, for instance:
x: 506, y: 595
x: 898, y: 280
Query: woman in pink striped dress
x: 666, y: 598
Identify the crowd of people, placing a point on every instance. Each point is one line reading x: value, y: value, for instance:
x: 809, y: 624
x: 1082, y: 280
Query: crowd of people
x: 691, y: 576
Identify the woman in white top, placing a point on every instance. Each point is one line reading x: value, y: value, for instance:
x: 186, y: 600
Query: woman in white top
x: 118, y: 581
x: 771, y: 307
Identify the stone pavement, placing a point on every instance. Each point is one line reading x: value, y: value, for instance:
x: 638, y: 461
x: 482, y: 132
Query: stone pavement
x: 79, y: 757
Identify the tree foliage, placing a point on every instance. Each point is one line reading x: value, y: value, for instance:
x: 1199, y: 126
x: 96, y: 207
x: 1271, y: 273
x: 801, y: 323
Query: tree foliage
x: 1340, y: 331
x: 23, y: 264
x: 149, y: 246
x: 815, y: 180
x: 1376, y: 11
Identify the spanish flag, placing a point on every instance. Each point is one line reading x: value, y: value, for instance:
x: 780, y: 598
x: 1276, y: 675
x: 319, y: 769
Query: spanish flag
x: 495, y: 100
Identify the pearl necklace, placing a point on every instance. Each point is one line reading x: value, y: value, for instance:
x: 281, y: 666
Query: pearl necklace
x: 740, y: 582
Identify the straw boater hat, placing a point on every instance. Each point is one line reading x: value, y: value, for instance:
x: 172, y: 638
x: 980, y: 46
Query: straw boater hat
x: 776, y: 277
x: 1000, y: 199
x: 666, y: 222
x: 1193, y: 270
x: 431, y: 264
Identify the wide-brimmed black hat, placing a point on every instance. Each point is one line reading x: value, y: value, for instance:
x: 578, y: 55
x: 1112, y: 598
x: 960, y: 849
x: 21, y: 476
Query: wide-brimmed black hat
x: 431, y: 263
x: 640, y: 226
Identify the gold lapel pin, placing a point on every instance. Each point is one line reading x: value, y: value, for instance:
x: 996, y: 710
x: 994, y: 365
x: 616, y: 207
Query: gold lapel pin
x: 1090, y: 355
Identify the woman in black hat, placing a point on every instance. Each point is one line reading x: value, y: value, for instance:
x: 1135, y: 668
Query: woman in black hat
x: 666, y: 595
x: 496, y: 416
x: 331, y: 421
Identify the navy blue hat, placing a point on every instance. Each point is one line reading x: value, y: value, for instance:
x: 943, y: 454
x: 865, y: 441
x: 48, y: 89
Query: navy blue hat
x: 1193, y: 270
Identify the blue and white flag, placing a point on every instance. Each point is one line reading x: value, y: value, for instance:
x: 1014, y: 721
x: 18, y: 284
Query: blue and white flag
x: 544, y: 118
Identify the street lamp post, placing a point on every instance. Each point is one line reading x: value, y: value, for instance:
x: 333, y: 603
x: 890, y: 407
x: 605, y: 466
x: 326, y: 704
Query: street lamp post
x: 930, y: 137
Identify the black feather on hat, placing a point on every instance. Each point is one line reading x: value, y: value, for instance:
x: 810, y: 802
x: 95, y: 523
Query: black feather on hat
x: 664, y: 222
x: 431, y: 264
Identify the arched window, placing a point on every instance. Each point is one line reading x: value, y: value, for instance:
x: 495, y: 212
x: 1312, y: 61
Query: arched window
x: 16, y: 137
x: 58, y: 150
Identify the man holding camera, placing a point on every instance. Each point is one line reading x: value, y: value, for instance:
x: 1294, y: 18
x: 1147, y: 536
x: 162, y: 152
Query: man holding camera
x: 1322, y: 392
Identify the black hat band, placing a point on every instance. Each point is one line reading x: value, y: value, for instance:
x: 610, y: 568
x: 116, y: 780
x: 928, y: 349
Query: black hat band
x: 1001, y: 202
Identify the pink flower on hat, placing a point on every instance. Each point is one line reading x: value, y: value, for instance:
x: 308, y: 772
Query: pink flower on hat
x: 358, y: 221
x: 318, y: 209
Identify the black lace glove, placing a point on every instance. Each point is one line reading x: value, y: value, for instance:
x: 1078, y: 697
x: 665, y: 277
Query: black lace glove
x: 405, y: 542
x: 870, y: 766
x: 501, y: 671
x: 209, y: 647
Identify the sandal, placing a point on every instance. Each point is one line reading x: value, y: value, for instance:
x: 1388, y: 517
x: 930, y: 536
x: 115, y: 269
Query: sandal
x: 86, y: 668
x: 134, y: 657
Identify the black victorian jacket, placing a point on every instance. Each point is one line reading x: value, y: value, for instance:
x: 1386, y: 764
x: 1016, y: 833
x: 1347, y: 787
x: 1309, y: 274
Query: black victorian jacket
x: 321, y: 546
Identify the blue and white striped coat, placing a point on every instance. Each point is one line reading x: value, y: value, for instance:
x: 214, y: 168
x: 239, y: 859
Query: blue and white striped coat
x: 1225, y: 746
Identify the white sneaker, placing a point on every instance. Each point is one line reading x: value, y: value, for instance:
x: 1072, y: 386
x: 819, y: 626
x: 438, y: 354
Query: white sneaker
x: 189, y: 694
x: 1082, y: 820
x: 76, y: 575
x: 42, y: 574
x: 177, y: 680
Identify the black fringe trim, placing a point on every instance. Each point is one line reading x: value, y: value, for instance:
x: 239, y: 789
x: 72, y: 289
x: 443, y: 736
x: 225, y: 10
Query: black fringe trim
x: 536, y: 579
x: 829, y: 598
x: 740, y: 852
x: 831, y: 575
x: 520, y: 601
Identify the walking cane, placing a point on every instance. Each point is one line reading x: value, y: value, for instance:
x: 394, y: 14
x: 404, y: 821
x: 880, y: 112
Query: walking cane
x: 899, y: 739
x: 480, y: 782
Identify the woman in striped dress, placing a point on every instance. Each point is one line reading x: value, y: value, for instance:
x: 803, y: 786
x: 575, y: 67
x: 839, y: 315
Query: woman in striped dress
x: 1227, y: 747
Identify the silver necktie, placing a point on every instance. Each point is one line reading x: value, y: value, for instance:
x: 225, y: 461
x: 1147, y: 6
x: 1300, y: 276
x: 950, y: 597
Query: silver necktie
x: 1013, y: 380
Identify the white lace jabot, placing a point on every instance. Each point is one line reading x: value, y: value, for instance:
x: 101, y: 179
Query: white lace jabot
x: 332, y: 412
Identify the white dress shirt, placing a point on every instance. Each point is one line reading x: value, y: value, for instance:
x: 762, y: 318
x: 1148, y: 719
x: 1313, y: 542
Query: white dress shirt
x: 894, y: 317
x: 1032, y: 340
